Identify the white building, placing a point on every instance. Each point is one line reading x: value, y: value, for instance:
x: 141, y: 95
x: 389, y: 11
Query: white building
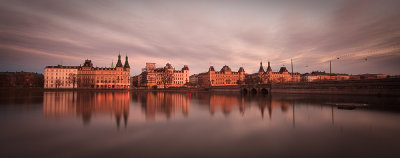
x: 60, y: 77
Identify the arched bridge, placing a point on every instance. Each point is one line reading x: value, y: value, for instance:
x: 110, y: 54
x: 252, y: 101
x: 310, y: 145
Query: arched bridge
x: 256, y: 89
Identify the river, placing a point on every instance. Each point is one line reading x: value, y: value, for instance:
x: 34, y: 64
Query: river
x: 172, y: 124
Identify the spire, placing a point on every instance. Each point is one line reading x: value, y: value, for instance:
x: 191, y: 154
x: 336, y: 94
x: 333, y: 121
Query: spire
x: 112, y: 64
x: 119, y: 63
x: 261, y: 68
x: 126, y: 65
x: 269, y: 67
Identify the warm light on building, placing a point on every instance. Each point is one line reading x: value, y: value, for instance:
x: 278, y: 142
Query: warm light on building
x: 268, y: 76
x: 163, y: 77
x: 224, y: 77
x: 87, y: 76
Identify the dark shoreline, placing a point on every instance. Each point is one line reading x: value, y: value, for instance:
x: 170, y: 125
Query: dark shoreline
x: 361, y: 92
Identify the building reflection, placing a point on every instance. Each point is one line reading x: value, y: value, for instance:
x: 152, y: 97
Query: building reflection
x: 269, y: 103
x: 226, y: 103
x: 86, y: 105
x: 163, y: 103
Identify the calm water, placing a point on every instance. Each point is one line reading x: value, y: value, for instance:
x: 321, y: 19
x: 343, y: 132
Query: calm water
x: 158, y: 124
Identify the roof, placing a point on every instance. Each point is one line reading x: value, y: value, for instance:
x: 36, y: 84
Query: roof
x: 283, y: 69
x: 241, y: 69
x: 88, y: 63
x: 63, y: 67
x: 225, y: 68
x: 261, y: 68
x: 168, y: 66
x: 211, y: 68
x: 126, y: 65
x: 269, y: 67
x: 119, y: 63
x: 185, y: 67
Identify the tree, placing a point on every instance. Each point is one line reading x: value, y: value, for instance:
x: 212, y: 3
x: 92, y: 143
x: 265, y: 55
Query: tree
x: 72, y: 79
x: 166, y: 77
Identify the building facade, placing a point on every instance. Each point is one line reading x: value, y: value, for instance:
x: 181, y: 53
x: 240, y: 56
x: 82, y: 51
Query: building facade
x: 87, y: 76
x: 194, y: 79
x: 268, y: 76
x: 162, y: 77
x: 224, y: 77
x: 317, y: 76
x: 61, y: 76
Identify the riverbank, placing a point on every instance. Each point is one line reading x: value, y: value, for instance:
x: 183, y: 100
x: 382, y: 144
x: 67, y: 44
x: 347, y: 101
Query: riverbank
x: 381, y: 87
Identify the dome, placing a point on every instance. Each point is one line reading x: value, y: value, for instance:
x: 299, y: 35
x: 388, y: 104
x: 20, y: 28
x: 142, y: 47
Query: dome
x: 168, y: 66
x: 283, y: 69
x: 225, y: 68
x: 185, y: 67
x: 241, y: 69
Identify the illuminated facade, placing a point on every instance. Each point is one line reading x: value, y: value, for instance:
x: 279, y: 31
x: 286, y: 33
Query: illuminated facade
x: 162, y: 77
x: 60, y: 76
x: 117, y: 77
x: 225, y: 77
x: 87, y: 76
x: 316, y: 76
x: 263, y: 77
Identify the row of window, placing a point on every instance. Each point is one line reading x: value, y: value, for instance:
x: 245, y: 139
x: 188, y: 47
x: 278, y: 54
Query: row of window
x: 66, y: 74
x: 111, y: 81
x: 58, y: 78
x: 60, y: 70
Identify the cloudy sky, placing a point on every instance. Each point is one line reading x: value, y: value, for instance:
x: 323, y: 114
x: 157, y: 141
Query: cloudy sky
x: 359, y: 36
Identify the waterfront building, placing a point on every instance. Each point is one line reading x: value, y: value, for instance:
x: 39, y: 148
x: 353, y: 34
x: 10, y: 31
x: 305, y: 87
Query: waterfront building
x: 194, y: 79
x: 224, y: 77
x: 268, y: 76
x: 316, y: 76
x: 373, y: 76
x: 60, y: 76
x: 117, y: 77
x: 166, y: 76
x: 88, y: 76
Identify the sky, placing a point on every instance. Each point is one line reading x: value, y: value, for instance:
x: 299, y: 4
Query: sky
x: 357, y: 36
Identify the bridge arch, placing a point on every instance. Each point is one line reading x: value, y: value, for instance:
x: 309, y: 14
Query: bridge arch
x: 253, y: 91
x: 245, y: 91
x: 264, y: 91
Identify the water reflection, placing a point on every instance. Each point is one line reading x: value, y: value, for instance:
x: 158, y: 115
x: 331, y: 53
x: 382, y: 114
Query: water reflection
x: 224, y: 125
x: 162, y: 104
x: 86, y: 105
x: 226, y: 103
x: 159, y: 105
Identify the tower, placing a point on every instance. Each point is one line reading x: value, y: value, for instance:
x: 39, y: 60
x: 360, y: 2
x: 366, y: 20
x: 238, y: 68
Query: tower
x: 241, y: 75
x: 269, y: 67
x: 119, y: 63
x: 261, y: 70
x: 185, y: 71
x: 269, y: 72
x: 126, y: 65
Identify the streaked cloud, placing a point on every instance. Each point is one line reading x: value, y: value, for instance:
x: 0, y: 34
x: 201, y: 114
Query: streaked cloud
x: 204, y: 33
